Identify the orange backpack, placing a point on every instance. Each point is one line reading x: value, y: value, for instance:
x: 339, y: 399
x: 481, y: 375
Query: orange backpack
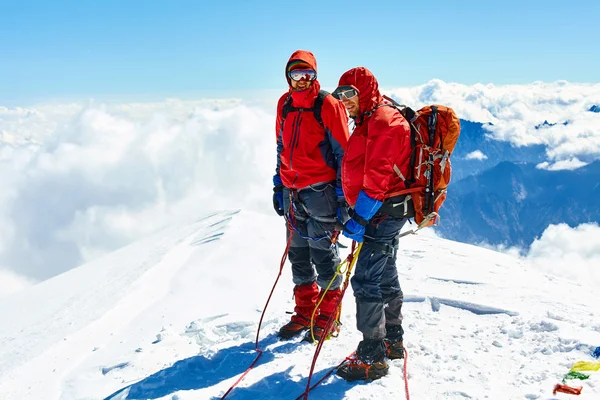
x: 434, y: 133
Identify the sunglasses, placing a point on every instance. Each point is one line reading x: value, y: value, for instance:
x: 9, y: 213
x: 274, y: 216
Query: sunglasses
x: 345, y: 92
x: 302, y: 75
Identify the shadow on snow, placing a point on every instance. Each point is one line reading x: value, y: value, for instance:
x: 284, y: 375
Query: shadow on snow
x: 199, y: 372
x: 282, y: 385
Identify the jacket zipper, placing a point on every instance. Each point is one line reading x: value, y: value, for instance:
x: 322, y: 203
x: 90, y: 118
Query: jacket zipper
x: 295, y: 138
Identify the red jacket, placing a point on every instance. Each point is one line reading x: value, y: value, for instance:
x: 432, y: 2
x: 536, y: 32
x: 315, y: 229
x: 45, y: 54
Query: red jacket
x: 308, y: 153
x: 377, y: 157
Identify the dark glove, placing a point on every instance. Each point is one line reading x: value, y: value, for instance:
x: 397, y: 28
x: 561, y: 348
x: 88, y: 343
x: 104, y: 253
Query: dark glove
x: 278, y: 200
x: 278, y: 195
x: 342, y: 210
x: 342, y: 215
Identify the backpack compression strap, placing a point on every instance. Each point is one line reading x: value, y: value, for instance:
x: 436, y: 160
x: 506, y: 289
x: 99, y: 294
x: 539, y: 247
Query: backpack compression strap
x: 429, y: 193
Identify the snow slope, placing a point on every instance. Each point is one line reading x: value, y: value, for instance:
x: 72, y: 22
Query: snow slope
x: 174, y: 316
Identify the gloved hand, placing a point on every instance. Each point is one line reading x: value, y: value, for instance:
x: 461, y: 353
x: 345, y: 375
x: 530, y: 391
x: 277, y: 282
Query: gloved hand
x: 278, y: 200
x: 353, y: 230
x: 278, y: 195
x: 342, y: 215
x: 342, y: 210
x: 364, y: 209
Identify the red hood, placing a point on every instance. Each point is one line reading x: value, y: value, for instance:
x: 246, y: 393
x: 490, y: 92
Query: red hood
x: 368, y: 88
x: 304, y: 98
x: 302, y: 55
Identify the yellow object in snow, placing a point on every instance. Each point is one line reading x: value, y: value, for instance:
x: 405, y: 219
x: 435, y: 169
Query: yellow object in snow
x: 586, y: 366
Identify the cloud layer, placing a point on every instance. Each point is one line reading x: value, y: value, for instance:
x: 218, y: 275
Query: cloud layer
x: 573, y: 163
x: 514, y: 112
x: 80, y: 180
x: 569, y: 252
x: 11, y: 282
x: 77, y: 186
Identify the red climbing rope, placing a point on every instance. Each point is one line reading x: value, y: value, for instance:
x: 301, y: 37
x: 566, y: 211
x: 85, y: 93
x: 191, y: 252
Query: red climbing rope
x: 406, y: 374
x: 305, y: 394
x: 259, y: 351
x: 330, y: 321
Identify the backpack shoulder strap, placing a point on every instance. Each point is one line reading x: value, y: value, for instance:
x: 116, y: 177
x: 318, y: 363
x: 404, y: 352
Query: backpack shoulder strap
x: 319, y: 105
x: 287, y: 107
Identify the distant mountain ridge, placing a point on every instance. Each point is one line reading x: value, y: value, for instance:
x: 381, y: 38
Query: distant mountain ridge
x: 474, y: 137
x: 499, y: 196
x: 513, y: 203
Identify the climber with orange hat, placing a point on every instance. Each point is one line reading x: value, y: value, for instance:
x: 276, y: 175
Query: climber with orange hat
x: 311, y: 131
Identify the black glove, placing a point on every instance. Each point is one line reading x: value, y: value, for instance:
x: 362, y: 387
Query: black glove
x: 278, y: 200
x: 342, y: 214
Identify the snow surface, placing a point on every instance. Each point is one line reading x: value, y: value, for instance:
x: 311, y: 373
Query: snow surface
x: 174, y: 316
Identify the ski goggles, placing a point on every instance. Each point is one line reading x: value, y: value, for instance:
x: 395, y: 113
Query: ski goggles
x: 345, y: 92
x: 302, y: 75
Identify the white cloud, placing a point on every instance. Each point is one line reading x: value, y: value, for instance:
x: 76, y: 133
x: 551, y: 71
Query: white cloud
x: 502, y: 248
x: 79, y: 181
x: 12, y: 283
x: 476, y: 155
x: 568, y: 252
x: 571, y: 164
x: 514, y: 111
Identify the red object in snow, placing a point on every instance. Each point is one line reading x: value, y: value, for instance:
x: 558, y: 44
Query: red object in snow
x: 566, y: 389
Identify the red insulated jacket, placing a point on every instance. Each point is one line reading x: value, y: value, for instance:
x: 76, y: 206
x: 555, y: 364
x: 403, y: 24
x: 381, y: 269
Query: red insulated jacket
x: 377, y: 158
x: 307, y: 152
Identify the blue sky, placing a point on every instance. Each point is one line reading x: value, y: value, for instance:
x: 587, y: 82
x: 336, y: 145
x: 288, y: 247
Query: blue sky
x: 142, y: 49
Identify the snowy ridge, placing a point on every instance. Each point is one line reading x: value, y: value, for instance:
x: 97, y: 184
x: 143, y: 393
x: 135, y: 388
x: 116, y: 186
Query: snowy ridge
x: 90, y: 302
x: 174, y: 316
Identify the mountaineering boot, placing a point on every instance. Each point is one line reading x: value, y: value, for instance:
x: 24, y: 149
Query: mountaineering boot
x: 395, y: 350
x: 368, y: 364
x: 318, y: 330
x: 328, y: 307
x: 293, y: 328
x: 393, y: 342
x: 306, y: 300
